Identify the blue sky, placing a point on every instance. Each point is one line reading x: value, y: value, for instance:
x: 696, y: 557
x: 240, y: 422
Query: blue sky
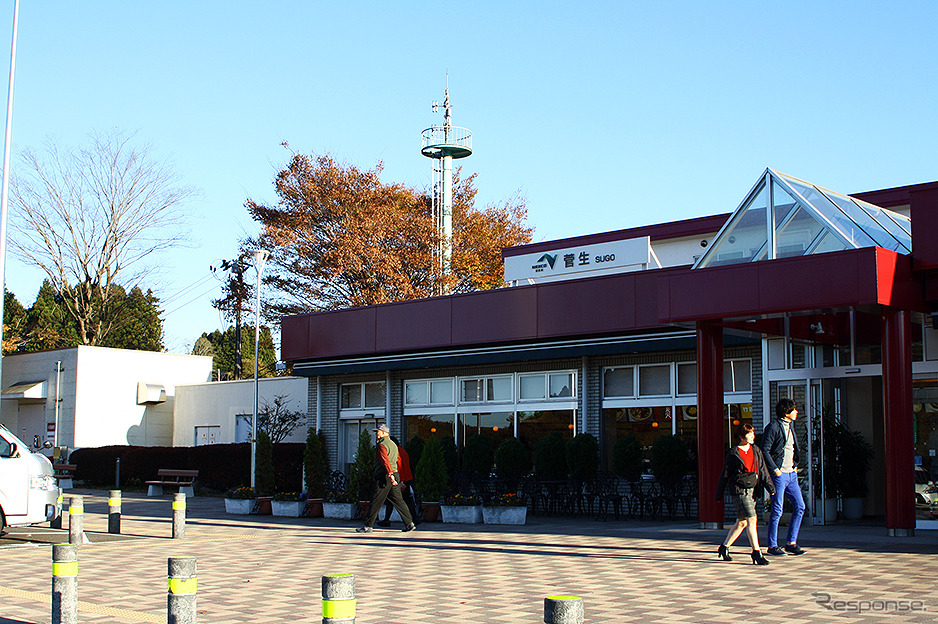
x: 604, y: 115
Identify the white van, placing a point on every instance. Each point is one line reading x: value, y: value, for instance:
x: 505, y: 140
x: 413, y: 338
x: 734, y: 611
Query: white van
x: 28, y: 491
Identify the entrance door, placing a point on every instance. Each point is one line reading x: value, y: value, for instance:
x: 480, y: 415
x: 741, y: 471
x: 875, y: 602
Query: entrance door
x: 807, y: 396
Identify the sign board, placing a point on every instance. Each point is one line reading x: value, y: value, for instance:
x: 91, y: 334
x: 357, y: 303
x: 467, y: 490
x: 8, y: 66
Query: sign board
x: 634, y: 254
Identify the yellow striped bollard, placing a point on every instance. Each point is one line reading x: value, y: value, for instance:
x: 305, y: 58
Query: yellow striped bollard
x: 338, y: 599
x: 56, y: 523
x: 563, y: 610
x: 114, y: 512
x: 76, y: 520
x: 64, y: 584
x: 179, y: 515
x: 181, y: 593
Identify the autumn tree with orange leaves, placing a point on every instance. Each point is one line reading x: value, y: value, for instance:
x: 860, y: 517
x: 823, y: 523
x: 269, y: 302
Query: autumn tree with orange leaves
x: 340, y: 237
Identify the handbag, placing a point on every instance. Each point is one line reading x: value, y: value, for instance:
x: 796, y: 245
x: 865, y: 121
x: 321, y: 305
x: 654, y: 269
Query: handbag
x: 747, y: 479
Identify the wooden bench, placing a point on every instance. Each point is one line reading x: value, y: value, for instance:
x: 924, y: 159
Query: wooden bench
x: 63, y: 474
x: 182, y: 479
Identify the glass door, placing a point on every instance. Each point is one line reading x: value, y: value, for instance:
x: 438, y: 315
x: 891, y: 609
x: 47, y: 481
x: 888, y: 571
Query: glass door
x: 807, y: 396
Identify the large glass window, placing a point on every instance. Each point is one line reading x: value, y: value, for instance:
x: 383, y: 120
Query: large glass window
x: 486, y: 389
x: 532, y: 426
x: 686, y: 379
x: 429, y: 426
x: 496, y: 426
x: 737, y: 376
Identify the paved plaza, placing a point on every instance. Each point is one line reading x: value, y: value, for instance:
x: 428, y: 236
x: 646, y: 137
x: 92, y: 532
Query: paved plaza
x: 261, y: 569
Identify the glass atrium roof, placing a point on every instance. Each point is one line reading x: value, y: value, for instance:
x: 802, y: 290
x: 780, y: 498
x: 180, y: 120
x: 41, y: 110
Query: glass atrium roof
x: 783, y: 217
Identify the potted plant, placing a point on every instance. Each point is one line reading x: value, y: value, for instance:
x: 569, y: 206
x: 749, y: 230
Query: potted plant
x: 240, y: 500
x: 505, y: 509
x: 511, y: 461
x: 362, y: 479
x: 582, y: 452
x: 669, y: 461
x: 462, y: 508
x: 432, y: 478
x: 627, y: 458
x: 856, y: 459
x: 478, y: 455
x: 550, y: 457
x: 288, y: 504
x: 314, y: 471
x: 339, y: 506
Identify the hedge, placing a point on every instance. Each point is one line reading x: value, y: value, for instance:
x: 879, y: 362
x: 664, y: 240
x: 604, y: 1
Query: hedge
x: 221, y: 466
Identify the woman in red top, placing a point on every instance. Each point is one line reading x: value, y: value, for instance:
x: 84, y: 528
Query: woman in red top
x: 743, y: 470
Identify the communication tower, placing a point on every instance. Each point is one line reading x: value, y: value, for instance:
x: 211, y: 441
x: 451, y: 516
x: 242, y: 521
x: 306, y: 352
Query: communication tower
x: 443, y: 144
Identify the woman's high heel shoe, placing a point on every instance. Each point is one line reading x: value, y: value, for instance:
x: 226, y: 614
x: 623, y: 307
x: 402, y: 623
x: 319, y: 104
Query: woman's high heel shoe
x: 724, y: 553
x: 758, y: 559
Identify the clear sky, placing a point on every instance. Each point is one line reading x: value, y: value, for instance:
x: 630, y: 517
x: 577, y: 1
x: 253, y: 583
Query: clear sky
x: 604, y: 115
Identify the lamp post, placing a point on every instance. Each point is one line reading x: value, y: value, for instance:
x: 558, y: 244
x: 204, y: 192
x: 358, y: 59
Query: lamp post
x: 260, y: 258
x: 4, y: 192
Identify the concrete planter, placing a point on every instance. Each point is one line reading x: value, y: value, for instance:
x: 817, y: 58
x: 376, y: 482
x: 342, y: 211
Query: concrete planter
x: 504, y: 515
x: 289, y: 509
x: 339, y: 511
x: 462, y: 514
x: 239, y: 505
x: 853, y: 508
x: 314, y: 508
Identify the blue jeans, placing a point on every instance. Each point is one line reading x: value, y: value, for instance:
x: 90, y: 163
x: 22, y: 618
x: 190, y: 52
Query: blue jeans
x: 786, y: 485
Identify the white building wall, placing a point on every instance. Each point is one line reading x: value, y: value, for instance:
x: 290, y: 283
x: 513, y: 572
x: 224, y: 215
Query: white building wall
x: 218, y: 404
x: 106, y: 410
x: 98, y: 394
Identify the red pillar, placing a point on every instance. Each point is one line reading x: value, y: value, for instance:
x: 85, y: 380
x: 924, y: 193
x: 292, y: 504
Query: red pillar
x: 710, y: 451
x: 897, y: 399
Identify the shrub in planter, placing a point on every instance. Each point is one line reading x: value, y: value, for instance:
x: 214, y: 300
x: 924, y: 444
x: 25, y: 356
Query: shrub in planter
x: 478, y: 455
x: 627, y: 458
x: 857, y: 454
x: 450, y: 454
x: 264, y: 465
x: 511, y: 459
x: 431, y: 474
x: 314, y: 464
x: 669, y: 460
x: 241, y: 493
x: 363, y: 469
x: 414, y: 449
x: 550, y: 457
x: 583, y: 456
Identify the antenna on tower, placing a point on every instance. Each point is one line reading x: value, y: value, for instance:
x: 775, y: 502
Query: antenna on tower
x: 442, y: 144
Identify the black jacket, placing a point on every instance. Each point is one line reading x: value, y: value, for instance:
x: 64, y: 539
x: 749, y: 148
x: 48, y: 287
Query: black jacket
x: 734, y: 465
x: 773, y: 441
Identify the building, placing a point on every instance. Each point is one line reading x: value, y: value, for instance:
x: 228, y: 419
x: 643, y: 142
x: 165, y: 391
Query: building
x: 688, y: 327
x: 222, y: 412
x: 95, y: 396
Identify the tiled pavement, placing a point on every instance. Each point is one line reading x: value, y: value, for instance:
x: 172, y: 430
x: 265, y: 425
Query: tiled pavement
x: 264, y: 569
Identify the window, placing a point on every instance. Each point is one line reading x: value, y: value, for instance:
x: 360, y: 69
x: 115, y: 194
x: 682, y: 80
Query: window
x: 486, y: 389
x: 686, y: 379
x: 737, y: 376
x: 362, y: 395
x: 619, y: 382
x: 654, y: 380
x: 428, y: 392
x: 555, y: 385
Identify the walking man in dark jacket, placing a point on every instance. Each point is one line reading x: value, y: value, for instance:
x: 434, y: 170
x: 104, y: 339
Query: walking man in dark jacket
x: 780, y: 446
x: 387, y: 482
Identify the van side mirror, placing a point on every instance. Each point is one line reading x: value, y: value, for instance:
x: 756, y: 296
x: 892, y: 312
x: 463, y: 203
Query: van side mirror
x: 47, y: 444
x: 13, y: 450
x: 37, y: 443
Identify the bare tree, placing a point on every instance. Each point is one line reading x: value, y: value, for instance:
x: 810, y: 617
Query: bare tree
x: 89, y: 217
x: 278, y: 420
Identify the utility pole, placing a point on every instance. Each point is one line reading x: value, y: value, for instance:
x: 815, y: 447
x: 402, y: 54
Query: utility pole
x: 232, y: 305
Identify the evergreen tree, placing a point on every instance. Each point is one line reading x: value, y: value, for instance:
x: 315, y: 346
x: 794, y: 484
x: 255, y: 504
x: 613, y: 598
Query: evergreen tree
x: 264, y: 465
x: 224, y: 352
x: 14, y: 323
x: 137, y: 324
